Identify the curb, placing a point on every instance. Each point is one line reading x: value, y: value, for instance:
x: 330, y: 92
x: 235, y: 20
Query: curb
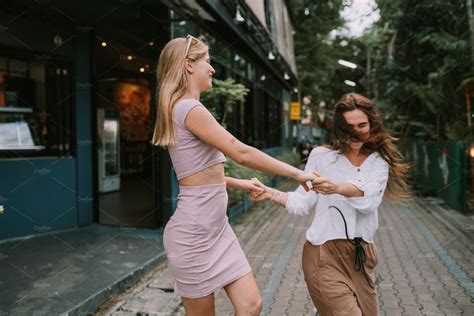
x: 93, y: 302
x: 447, y: 216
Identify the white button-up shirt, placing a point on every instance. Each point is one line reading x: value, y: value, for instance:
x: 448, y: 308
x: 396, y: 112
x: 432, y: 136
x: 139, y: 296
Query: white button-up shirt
x: 360, y: 212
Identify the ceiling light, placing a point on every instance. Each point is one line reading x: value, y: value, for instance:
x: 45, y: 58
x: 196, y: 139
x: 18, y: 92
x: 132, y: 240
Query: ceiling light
x: 350, y: 83
x: 238, y: 17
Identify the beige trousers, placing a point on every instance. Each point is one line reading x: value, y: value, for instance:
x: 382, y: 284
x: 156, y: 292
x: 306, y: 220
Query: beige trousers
x: 336, y: 288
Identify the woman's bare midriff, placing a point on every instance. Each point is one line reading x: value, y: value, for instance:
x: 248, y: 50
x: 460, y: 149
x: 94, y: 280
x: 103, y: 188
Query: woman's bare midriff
x: 211, y: 175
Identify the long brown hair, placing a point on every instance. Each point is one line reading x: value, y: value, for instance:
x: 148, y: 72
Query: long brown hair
x: 379, y: 140
x: 172, y: 82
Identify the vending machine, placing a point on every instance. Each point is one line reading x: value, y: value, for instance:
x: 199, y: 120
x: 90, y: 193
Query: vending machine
x: 108, y: 150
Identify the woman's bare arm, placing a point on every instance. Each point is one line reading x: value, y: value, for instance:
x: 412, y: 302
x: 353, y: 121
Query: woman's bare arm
x: 269, y: 194
x: 231, y: 183
x: 327, y: 186
x: 202, y: 124
x: 349, y: 190
x: 279, y: 197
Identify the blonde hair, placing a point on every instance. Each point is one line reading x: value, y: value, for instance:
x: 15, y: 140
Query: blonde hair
x: 172, y: 82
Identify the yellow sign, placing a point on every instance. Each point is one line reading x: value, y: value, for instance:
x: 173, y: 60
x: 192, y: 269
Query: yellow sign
x: 295, y: 114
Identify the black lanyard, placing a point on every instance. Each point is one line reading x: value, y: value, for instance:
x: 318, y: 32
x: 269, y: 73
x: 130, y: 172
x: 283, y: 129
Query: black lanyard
x: 360, y: 253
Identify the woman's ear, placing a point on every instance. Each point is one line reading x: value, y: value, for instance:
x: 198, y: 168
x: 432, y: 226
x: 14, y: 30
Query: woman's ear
x: 189, y: 65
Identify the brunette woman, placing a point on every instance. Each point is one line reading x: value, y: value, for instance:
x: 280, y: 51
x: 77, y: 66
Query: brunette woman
x: 355, y: 171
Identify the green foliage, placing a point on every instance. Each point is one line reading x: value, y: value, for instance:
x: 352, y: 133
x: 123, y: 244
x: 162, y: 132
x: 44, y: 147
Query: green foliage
x: 460, y: 131
x: 422, y: 55
x: 419, y: 55
x: 234, y: 170
x: 316, y: 52
x: 224, y: 94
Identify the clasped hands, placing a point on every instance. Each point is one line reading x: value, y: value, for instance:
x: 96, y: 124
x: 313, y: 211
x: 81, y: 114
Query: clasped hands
x: 322, y: 185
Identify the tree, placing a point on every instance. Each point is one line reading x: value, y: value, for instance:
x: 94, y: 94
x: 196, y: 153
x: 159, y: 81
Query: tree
x: 422, y: 52
x: 317, y: 51
x: 224, y: 94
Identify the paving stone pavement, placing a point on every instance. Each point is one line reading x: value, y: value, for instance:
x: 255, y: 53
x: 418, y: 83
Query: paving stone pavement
x: 413, y: 277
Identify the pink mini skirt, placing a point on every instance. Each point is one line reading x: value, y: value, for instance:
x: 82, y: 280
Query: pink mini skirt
x: 202, y: 250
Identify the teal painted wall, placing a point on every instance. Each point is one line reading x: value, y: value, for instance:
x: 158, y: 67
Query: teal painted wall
x: 38, y: 195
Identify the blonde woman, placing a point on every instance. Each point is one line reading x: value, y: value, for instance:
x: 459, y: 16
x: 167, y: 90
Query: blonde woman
x: 355, y: 170
x: 203, y: 251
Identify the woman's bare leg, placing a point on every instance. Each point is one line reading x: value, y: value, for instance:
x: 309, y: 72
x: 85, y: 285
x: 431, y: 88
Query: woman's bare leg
x: 245, y: 296
x: 202, y: 306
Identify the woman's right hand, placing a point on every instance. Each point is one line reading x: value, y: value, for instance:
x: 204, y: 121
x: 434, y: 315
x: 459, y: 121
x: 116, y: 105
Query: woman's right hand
x: 304, y: 177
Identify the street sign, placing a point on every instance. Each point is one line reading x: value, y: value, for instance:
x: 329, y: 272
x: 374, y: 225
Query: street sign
x: 295, y: 113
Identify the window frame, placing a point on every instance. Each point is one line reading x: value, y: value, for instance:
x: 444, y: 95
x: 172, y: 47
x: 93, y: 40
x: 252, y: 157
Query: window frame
x: 61, y: 91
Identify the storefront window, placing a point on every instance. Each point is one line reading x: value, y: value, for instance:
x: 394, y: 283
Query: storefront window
x: 35, y: 106
x: 240, y: 65
x: 210, y: 41
x: 251, y: 72
x: 19, y: 131
x: 221, y: 53
x: 220, y: 71
x: 181, y: 28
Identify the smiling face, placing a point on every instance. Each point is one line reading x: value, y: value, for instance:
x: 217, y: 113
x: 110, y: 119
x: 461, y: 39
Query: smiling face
x: 201, y: 72
x: 359, y: 121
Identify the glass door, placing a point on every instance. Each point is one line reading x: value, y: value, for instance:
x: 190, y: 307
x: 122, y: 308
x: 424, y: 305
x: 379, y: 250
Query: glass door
x: 125, y: 157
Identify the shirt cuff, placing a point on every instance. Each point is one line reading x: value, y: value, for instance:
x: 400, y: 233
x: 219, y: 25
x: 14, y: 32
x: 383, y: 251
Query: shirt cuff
x: 289, y: 202
x: 292, y: 204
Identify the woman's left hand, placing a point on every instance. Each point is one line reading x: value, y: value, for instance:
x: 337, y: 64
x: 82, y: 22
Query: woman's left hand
x: 325, y: 185
x: 251, y: 185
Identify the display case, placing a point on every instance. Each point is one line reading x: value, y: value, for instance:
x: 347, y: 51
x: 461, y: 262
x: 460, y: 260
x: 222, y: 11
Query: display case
x: 35, y: 107
x: 18, y: 131
x: 19, y: 126
x: 108, y: 151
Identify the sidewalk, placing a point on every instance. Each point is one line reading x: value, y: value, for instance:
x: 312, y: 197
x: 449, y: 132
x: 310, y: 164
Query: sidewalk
x: 76, y: 271
x: 425, y: 267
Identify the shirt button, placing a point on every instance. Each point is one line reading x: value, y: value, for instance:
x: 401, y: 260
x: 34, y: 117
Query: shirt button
x: 358, y: 169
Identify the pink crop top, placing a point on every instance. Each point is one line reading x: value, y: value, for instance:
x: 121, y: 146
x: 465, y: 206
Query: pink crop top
x: 189, y: 154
